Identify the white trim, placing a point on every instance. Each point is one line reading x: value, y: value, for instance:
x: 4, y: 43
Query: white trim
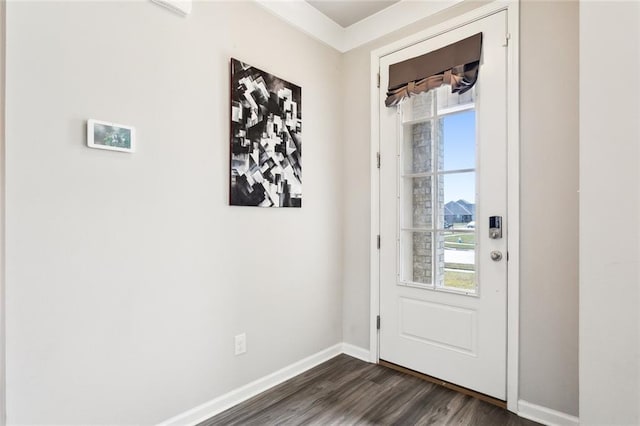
x: 241, y: 394
x: 311, y: 21
x: 236, y: 396
x: 451, y: 24
x: 392, y: 18
x: 307, y: 19
x: 513, y: 134
x: 545, y: 415
x: 356, y: 352
x: 513, y: 205
x: 180, y: 7
x: 3, y: 170
x: 374, y: 256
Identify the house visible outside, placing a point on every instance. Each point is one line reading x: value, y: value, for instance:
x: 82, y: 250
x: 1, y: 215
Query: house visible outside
x: 460, y: 211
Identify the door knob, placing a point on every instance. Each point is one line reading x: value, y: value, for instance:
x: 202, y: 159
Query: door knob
x: 496, y: 256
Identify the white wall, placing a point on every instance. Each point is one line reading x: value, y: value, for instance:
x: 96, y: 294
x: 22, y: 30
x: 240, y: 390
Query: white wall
x: 549, y: 204
x: 128, y: 274
x: 609, y: 212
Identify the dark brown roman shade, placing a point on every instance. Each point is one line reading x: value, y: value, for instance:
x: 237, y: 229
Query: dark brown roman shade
x: 456, y: 65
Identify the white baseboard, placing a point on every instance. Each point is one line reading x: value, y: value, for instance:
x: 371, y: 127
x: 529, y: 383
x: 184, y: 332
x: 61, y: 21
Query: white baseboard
x: 228, y: 400
x: 356, y: 352
x: 545, y: 415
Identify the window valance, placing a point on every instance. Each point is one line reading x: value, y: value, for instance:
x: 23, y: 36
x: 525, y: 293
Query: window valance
x: 456, y: 64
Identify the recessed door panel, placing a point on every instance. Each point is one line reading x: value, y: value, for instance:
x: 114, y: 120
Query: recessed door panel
x: 421, y: 320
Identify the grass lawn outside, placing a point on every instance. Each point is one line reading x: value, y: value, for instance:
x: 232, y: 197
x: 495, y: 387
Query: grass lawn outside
x: 459, y: 280
x: 459, y: 246
x: 460, y: 240
x: 461, y: 237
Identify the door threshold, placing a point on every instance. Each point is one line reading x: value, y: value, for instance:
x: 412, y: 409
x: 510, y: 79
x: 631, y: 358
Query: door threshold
x: 435, y: 380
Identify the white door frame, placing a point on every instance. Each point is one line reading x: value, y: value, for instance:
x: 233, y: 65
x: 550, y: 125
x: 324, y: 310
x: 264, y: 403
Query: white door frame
x: 3, y: 41
x: 513, y: 179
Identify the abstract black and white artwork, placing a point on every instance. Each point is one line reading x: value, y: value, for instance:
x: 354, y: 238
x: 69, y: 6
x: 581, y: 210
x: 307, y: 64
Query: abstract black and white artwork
x: 266, y: 139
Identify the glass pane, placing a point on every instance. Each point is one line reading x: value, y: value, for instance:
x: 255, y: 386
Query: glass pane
x: 460, y: 236
x: 418, y: 107
x: 417, y: 210
x: 458, y: 140
x: 459, y: 261
x: 437, y: 207
x: 418, y: 147
x: 451, y: 101
x: 417, y: 257
x: 459, y: 192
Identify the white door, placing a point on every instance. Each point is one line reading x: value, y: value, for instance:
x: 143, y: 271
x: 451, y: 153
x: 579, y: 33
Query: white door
x: 443, y: 175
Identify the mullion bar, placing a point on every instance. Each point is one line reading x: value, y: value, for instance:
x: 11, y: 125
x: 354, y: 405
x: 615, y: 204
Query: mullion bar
x: 435, y: 167
x: 443, y: 172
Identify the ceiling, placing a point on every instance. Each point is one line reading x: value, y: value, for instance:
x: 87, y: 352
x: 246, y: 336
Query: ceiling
x: 346, y: 13
x: 347, y: 24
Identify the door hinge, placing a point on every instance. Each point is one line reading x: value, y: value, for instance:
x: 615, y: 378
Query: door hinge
x: 378, y: 322
x: 378, y: 80
x: 378, y: 242
x: 378, y: 159
x: 507, y: 37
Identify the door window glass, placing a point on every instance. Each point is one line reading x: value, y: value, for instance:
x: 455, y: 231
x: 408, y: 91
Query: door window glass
x: 438, y: 191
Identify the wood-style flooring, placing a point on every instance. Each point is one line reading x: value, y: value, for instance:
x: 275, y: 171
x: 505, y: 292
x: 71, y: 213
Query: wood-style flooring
x: 347, y: 391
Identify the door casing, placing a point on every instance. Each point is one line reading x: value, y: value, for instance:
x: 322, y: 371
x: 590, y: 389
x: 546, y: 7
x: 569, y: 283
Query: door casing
x: 3, y: 40
x: 513, y: 179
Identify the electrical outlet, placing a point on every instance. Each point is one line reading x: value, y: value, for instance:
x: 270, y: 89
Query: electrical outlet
x: 241, y: 343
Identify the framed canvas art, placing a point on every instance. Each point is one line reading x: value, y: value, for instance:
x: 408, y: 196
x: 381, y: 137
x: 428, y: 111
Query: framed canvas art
x: 266, y: 139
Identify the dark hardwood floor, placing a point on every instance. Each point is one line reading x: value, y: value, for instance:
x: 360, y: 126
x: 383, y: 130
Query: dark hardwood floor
x: 347, y: 391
